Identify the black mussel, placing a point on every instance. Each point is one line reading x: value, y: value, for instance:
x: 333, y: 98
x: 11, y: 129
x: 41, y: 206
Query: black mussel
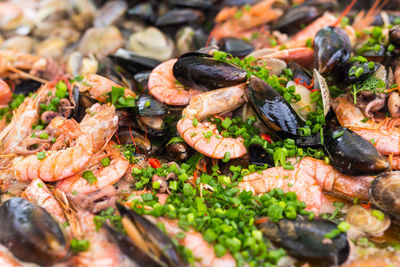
x: 259, y: 156
x: 351, y: 154
x: 202, y: 72
x: 31, y: 234
x: 152, y: 241
x: 272, y: 108
x: 394, y: 36
x: 236, y: 47
x: 238, y: 2
x: 332, y: 48
x: 313, y: 141
x: 82, y: 101
x: 385, y: 193
x: 133, y: 63
x: 305, y: 239
x: 141, y: 80
x: 143, y: 10
x: 202, y: 4
x: 26, y: 86
x: 128, y: 136
x: 375, y: 53
x: 295, y: 17
x: 178, y: 150
x: 184, y: 16
x: 154, y: 125
x: 300, y: 74
x: 133, y: 251
x: 149, y: 106
x: 349, y: 71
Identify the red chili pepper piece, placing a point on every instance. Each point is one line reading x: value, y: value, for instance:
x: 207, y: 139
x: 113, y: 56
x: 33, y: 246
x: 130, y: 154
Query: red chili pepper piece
x: 367, y: 206
x: 266, y: 137
x: 155, y: 163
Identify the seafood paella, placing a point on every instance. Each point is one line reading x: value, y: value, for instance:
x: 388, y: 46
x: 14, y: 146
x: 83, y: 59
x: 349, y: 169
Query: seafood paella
x: 200, y: 133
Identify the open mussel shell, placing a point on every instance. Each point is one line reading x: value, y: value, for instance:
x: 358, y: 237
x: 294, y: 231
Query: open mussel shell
x: 154, y: 125
x: 149, y: 106
x: 236, y: 47
x: 302, y: 75
x: 385, y: 193
x: 351, y: 154
x: 374, y: 54
x: 394, y: 35
x: 259, y: 156
x: 199, y: 71
x: 30, y: 233
x: 349, y: 71
x: 304, y: 239
x: 128, y: 136
x: 179, y: 151
x: 272, y: 108
x: 332, y: 48
x: 83, y: 101
x: 158, y: 248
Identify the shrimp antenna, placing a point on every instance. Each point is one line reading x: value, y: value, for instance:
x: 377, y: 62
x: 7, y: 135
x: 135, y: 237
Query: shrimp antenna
x: 344, y: 13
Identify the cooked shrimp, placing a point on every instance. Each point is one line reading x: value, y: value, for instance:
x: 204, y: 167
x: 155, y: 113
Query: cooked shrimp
x: 38, y: 193
x: 215, y: 102
x: 309, y: 32
x: 5, y: 93
x: 99, y: 87
x: 301, y: 55
x: 102, y: 252
x: 163, y: 86
x: 308, y: 179
x: 96, y: 130
x: 205, y: 138
x: 202, y: 250
x: 384, y: 135
x: 259, y: 14
x: 25, y: 116
x: 105, y: 175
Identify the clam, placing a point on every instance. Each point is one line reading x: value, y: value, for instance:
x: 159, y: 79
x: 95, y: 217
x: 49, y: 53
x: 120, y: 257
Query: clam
x: 306, y: 239
x: 110, y: 12
x: 365, y: 221
x: 151, y: 42
x: 101, y: 41
x: 272, y: 108
x: 385, y: 193
x: 179, y: 151
x: 31, y: 234
x: 351, y: 154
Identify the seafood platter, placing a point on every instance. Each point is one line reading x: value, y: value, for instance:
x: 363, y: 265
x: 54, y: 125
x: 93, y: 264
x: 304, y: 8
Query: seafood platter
x: 200, y: 133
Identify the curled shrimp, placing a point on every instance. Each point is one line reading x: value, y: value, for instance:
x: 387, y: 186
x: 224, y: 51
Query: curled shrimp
x: 385, y: 136
x: 204, y: 136
x: 228, y: 25
x: 96, y: 130
x: 308, y: 179
x: 38, y: 193
x: 105, y: 175
x: 163, y: 86
x: 99, y: 87
x: 24, y: 118
x: 201, y: 249
x: 5, y: 93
